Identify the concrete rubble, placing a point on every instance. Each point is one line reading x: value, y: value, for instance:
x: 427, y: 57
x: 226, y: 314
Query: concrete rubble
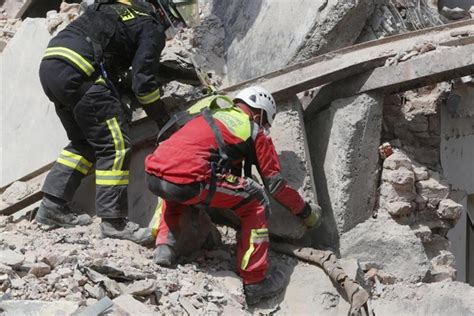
x: 387, y: 219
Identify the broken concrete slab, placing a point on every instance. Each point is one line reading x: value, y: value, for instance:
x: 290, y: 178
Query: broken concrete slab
x: 31, y: 308
x: 142, y: 287
x: 343, y: 143
x: 11, y: 258
x: 384, y: 244
x: 129, y: 305
x: 437, y: 299
x: 290, y: 141
x: 16, y: 8
x: 20, y: 64
x: 299, y: 34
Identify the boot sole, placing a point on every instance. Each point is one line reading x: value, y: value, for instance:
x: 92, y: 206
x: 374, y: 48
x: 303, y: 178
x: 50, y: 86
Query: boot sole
x: 142, y: 242
x: 53, y: 223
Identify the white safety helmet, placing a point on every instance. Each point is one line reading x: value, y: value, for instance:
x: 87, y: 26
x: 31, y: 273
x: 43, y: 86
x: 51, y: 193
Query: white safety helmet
x: 259, y: 98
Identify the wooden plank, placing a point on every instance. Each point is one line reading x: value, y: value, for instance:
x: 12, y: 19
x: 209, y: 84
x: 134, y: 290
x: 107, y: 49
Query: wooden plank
x: 432, y: 67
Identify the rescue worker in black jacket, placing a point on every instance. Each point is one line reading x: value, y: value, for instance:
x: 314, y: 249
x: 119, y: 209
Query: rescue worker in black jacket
x: 79, y: 73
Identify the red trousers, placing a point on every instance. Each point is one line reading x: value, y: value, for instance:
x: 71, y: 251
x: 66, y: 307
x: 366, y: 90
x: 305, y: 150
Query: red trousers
x: 250, y: 203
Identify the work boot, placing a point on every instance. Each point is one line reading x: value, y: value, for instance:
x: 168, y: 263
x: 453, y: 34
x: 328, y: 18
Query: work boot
x: 164, y: 255
x: 122, y: 228
x: 59, y: 214
x: 270, y: 286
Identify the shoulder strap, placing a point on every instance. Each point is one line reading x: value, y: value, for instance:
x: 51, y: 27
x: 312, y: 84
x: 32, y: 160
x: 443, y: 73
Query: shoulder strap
x: 206, y: 113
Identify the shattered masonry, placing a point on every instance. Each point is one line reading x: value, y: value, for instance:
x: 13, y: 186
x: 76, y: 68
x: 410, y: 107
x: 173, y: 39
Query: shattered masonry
x: 391, y: 221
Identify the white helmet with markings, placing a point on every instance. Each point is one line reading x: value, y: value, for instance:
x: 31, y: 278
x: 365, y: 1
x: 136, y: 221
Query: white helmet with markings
x: 259, y: 98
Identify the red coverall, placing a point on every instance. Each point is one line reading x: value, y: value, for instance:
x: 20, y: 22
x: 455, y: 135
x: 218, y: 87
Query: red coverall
x: 184, y: 159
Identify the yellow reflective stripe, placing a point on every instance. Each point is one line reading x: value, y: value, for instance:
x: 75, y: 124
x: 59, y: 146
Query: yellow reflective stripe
x: 259, y: 236
x: 112, y: 173
x: 111, y: 182
x: 156, y: 220
x: 74, y: 57
x: 111, y: 177
x: 72, y: 165
x: 150, y: 97
x: 117, y: 136
x: 74, y: 161
x: 101, y: 81
x: 77, y: 157
x: 127, y: 2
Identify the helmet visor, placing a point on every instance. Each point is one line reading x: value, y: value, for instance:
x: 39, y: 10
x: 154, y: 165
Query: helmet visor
x: 189, y: 11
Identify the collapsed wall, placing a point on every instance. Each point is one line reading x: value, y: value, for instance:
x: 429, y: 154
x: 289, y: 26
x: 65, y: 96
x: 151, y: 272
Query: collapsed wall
x: 404, y: 244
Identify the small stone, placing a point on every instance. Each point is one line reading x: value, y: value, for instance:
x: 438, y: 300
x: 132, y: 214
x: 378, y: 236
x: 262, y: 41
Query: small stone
x: 142, y: 287
x: 17, y: 283
x: 5, y: 269
x: 421, y: 173
x: 448, y: 209
x: 3, y: 277
x: 93, y: 291
x: 64, y: 272
x: 402, y: 178
x: 11, y: 258
x: 40, y: 269
x: 432, y: 190
x: 74, y: 297
x: 15, y: 192
x: 91, y: 301
x: 397, y: 160
x: 423, y: 232
x: 50, y: 259
x: 399, y: 208
x: 79, y: 278
x: 53, y: 278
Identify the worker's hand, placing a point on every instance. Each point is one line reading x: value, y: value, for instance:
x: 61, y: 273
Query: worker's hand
x: 311, y: 215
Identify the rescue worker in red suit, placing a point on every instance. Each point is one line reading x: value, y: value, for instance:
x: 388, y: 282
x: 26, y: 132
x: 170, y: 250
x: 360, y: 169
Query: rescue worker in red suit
x: 80, y: 73
x: 194, y: 166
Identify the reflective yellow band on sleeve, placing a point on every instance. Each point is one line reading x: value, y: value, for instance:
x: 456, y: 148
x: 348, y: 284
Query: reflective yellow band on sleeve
x: 150, y: 97
x: 72, y: 56
x: 120, y: 150
x: 257, y: 236
x: 111, y: 177
x: 74, y: 161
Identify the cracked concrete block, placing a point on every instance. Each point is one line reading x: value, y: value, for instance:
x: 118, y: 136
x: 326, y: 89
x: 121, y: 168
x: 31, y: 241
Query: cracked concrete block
x: 28, y: 117
x: 343, y: 142
x: 433, y: 190
x: 289, y: 137
x: 386, y: 245
x: 304, y: 29
x: 448, y: 209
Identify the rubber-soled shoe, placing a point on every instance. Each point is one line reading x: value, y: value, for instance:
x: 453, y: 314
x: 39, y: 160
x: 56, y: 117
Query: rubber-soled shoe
x: 270, y: 286
x: 164, y: 255
x: 122, y: 228
x: 53, y: 214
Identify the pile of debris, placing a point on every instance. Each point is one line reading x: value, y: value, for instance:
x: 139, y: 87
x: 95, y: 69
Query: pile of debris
x: 76, y: 266
x: 399, y: 255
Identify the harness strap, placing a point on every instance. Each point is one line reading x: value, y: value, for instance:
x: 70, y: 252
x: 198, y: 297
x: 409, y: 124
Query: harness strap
x: 206, y: 113
x: 224, y: 158
x: 175, y: 122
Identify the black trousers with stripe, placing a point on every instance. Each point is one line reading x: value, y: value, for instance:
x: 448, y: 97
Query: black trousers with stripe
x: 96, y: 127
